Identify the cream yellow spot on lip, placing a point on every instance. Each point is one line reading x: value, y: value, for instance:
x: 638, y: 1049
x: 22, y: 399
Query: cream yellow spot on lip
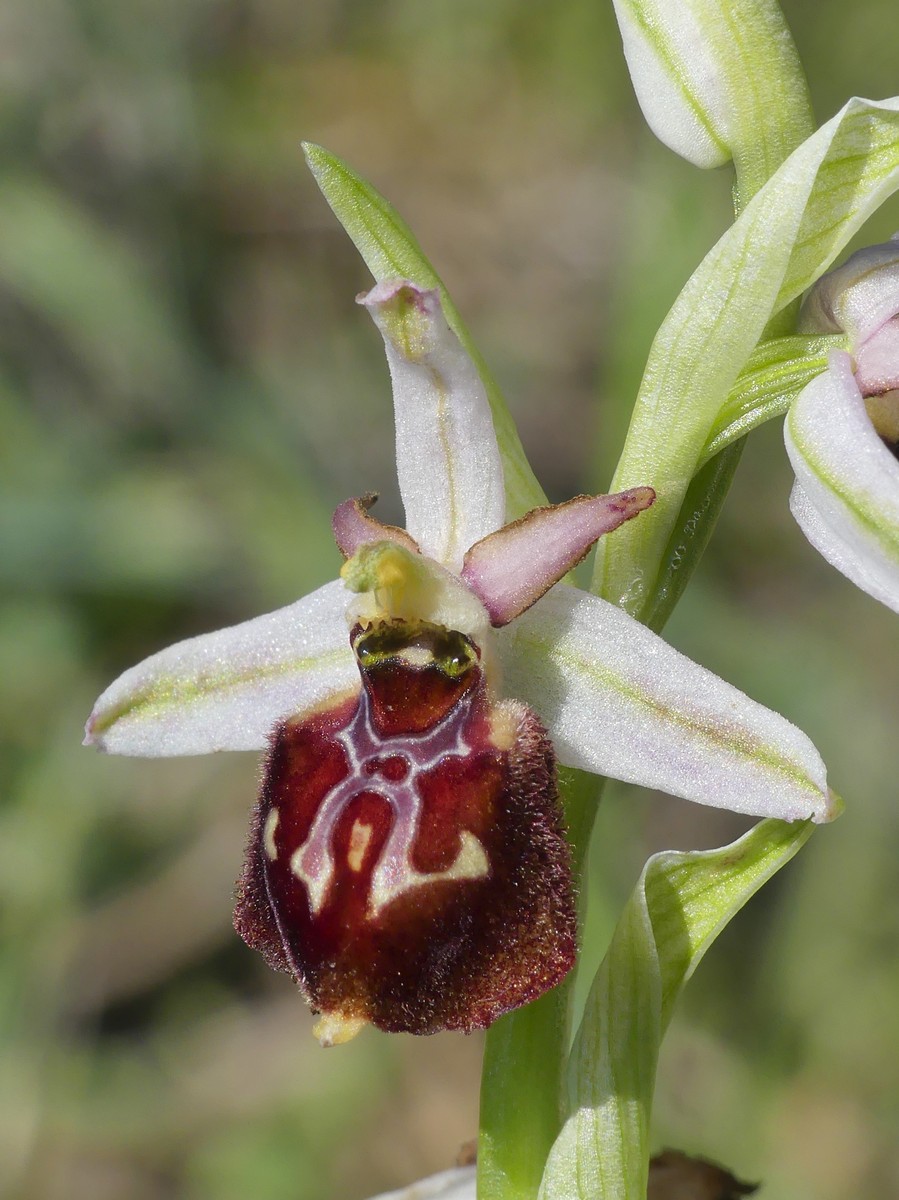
x: 416, y: 656
x: 360, y: 836
x: 268, y: 834
x: 505, y: 721
x: 471, y: 861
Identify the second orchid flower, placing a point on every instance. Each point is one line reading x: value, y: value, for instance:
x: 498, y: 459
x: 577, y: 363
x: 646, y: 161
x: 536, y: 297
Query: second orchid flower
x: 842, y: 432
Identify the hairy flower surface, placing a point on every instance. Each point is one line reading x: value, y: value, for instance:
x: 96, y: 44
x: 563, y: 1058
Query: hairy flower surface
x: 842, y: 432
x: 407, y: 862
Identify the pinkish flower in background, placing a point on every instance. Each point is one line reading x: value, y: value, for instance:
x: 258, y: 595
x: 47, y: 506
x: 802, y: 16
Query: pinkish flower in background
x: 842, y: 432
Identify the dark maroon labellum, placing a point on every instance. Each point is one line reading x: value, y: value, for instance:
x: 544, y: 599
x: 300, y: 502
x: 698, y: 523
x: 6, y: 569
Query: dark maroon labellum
x: 406, y: 861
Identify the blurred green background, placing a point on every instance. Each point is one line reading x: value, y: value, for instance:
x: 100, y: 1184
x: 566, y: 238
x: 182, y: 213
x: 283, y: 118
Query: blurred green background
x: 187, y: 390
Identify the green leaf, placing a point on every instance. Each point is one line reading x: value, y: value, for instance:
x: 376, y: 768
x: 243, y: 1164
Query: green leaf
x: 785, y: 238
x: 773, y: 377
x: 391, y: 251
x: 680, y: 905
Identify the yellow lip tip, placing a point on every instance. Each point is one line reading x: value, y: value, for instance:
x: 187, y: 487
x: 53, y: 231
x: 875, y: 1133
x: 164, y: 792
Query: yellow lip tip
x: 835, y: 805
x: 332, y: 1029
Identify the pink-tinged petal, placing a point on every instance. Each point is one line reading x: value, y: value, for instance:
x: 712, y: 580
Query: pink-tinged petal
x: 846, y: 497
x: 448, y: 461
x: 858, y: 297
x: 619, y: 701
x: 877, y: 361
x: 354, y: 527
x: 228, y: 690
x: 511, y: 569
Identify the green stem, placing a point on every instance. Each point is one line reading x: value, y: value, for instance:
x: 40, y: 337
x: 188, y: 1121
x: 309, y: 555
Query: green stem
x: 695, y: 524
x: 526, y: 1057
x: 526, y: 1054
x: 755, y: 160
x: 776, y: 373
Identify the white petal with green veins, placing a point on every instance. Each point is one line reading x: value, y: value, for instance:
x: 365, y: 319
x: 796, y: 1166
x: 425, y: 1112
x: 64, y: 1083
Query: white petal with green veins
x: 227, y: 690
x: 447, y: 458
x: 677, y: 80
x: 858, y: 297
x: 391, y: 251
x: 619, y: 701
x: 846, y: 496
x: 458, y: 1183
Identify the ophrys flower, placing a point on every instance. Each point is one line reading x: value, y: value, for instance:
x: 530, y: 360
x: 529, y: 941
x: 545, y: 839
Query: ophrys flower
x: 407, y: 863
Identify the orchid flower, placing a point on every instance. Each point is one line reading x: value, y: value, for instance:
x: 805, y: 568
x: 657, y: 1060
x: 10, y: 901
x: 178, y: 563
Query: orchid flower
x: 407, y: 862
x: 842, y: 432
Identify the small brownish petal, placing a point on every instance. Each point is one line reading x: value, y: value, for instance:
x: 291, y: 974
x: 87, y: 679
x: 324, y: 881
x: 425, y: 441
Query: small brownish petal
x: 510, y: 570
x: 354, y: 527
x: 417, y: 879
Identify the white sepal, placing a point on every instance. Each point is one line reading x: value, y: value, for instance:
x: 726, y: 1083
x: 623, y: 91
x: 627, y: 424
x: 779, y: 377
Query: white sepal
x: 447, y: 458
x: 227, y: 690
x: 456, y: 1184
x: 619, y: 701
x: 846, y: 496
x: 858, y: 297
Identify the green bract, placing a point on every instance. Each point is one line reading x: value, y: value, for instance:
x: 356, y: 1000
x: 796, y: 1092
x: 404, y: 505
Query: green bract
x: 774, y: 375
x: 785, y: 238
x: 680, y: 905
